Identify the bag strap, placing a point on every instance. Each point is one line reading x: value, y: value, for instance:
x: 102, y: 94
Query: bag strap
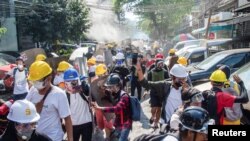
x: 39, y: 105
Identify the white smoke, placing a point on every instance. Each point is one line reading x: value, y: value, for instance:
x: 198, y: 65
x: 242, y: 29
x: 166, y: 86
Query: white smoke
x: 105, y: 26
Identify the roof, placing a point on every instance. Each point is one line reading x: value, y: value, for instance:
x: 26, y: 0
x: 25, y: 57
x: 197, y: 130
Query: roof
x: 234, y: 51
x: 196, y: 49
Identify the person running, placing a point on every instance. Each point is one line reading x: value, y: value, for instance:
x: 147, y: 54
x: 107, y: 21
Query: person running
x: 158, y: 73
x: 169, y: 92
x: 222, y: 99
x: 120, y: 68
x: 51, y: 102
x: 123, y: 121
x: 134, y: 78
x: 79, y: 106
x: 22, y: 123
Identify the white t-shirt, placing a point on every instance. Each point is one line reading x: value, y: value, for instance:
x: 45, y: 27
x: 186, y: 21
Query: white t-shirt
x: 55, y: 107
x: 80, y: 113
x: 173, y: 102
x: 21, y: 84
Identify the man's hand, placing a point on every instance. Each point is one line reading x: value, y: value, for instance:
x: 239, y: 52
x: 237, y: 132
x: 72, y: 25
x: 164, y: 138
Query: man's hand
x: 139, y: 71
x: 237, y: 78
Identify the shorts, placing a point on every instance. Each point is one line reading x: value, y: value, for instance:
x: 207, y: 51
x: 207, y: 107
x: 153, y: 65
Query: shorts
x: 155, y: 100
x: 102, y: 121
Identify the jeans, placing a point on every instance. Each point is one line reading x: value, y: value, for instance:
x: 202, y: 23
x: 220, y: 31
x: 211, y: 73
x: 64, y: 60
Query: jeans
x: 124, y: 134
x: 136, y: 85
x: 19, y: 96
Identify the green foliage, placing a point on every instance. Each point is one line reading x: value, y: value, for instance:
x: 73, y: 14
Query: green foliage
x: 52, y: 20
x: 159, y: 18
x: 3, y: 30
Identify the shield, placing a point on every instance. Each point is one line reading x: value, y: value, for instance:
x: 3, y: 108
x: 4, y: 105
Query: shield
x: 99, y: 95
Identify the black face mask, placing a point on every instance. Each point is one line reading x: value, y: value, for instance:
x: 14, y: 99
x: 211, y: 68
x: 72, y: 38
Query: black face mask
x: 178, y: 84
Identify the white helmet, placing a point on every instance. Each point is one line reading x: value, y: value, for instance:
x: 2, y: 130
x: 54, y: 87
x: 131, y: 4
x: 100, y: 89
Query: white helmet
x: 119, y: 56
x: 99, y: 58
x: 178, y: 71
x: 23, y: 111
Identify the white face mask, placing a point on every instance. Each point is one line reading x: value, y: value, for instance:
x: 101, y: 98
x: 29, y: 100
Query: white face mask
x: 25, y: 135
x: 39, y: 85
x: 20, y: 67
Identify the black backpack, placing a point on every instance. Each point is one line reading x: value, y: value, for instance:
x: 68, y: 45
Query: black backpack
x: 210, y: 104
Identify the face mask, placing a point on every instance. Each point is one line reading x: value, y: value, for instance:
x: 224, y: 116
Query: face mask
x: 39, y: 85
x: 25, y: 134
x: 20, y: 67
x: 72, y: 86
x: 119, y: 62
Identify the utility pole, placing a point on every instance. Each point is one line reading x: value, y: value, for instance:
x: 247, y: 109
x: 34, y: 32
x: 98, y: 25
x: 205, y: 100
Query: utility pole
x: 208, y: 23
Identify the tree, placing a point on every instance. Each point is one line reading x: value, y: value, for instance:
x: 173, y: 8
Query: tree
x: 50, y: 21
x: 159, y: 18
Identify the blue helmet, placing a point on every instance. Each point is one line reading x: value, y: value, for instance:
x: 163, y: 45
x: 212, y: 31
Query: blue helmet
x: 70, y: 75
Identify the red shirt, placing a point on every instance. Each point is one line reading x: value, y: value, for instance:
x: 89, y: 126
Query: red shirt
x: 223, y: 100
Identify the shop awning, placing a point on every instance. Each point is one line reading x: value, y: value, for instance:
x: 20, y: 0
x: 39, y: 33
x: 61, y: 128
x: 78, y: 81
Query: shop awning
x: 244, y: 8
x: 213, y: 28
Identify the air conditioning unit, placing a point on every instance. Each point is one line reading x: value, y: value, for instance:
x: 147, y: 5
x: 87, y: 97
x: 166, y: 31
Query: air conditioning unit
x: 243, y: 2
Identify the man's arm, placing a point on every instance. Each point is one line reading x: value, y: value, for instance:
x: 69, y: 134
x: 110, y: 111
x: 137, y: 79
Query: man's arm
x: 243, y: 97
x: 69, y: 128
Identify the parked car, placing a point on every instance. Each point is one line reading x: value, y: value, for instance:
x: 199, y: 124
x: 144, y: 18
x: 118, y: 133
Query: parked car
x: 7, y: 62
x: 244, y: 74
x: 11, y: 53
x: 183, y: 44
x: 234, y: 58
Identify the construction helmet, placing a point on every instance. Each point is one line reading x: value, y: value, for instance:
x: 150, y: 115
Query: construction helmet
x: 63, y: 66
x: 23, y: 111
x: 70, y: 75
x: 182, y: 61
x: 218, y: 76
x: 100, y: 69
x: 159, y: 56
x: 40, y: 57
x: 91, y: 61
x: 172, y: 51
x: 99, y: 58
x: 119, y: 56
x: 196, y: 119
x: 39, y: 70
x: 113, y: 79
x: 178, y: 71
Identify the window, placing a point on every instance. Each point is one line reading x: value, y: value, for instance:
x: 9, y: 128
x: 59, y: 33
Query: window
x: 235, y: 61
x: 197, y: 57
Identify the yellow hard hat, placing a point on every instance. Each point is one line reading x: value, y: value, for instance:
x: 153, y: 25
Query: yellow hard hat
x: 182, y: 61
x: 39, y: 70
x: 100, y: 69
x: 40, y: 57
x: 218, y: 76
x: 63, y: 66
x: 172, y: 51
x: 91, y: 61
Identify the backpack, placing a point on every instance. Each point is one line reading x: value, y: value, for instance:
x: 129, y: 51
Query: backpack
x: 235, y: 112
x: 135, y: 107
x: 210, y: 104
